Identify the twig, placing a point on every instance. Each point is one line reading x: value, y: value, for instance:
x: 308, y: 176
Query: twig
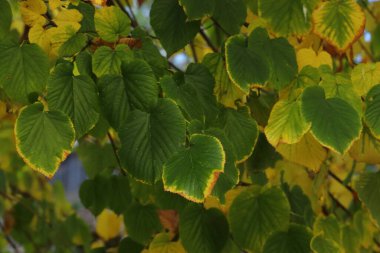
x: 368, y: 53
x: 194, y: 52
x: 370, y: 12
x: 208, y: 41
x: 220, y: 27
x: 349, y: 188
x: 174, y: 66
x: 133, y: 15
x: 130, y: 16
x: 9, y: 239
x: 340, y: 205
x: 114, y: 148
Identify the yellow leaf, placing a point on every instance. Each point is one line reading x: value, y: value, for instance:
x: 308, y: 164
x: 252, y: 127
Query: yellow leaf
x: 307, y: 56
x: 286, y: 123
x: 308, y: 152
x: 295, y: 175
x: 364, y: 77
x: 54, y: 4
x: 108, y: 224
x: 162, y: 244
x: 32, y: 11
x: 339, y: 22
x: 59, y: 35
x: 41, y: 37
x: 366, y: 149
x: 68, y: 17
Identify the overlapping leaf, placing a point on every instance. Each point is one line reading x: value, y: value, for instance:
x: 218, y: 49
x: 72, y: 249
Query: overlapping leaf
x: 340, y: 22
x: 255, y: 214
x: 203, y: 230
x: 168, y: 20
x: 149, y: 139
x: 35, y: 129
x: 334, y: 122
x: 23, y: 69
x: 286, y: 123
x: 193, y: 171
x: 74, y: 95
x: 111, y: 23
x: 288, y: 17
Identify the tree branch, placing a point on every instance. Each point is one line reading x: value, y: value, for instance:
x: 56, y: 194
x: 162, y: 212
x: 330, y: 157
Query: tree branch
x: 208, y: 41
x: 114, y: 148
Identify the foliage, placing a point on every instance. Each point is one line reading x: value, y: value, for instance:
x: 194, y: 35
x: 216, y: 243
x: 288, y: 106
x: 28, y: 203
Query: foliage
x: 267, y: 140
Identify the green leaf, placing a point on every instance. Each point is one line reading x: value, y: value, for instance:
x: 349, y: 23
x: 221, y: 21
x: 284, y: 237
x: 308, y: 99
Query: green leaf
x: 83, y: 63
x: 260, y: 59
x: 230, y: 177
x: 329, y: 227
x: 43, y: 138
x: 230, y: 14
x: 283, y: 63
x: 73, y: 45
x: 193, y: 91
x: 107, y: 61
x: 76, y: 96
x: 334, y: 123
x: 288, y: 17
x: 23, y: 69
x: 94, y: 194
x: 140, y: 84
x: 196, y: 9
x: 150, y: 53
x: 96, y: 158
x: 120, y: 194
x: 308, y: 76
x: 225, y: 90
x: 286, y: 123
x: 203, y: 231
x: 295, y: 240
x: 368, y: 189
x: 169, y: 23
x: 247, y: 64
x: 130, y: 246
x: 6, y: 17
x: 339, y: 85
x: 339, y: 22
x: 149, y: 139
x: 193, y: 171
x: 255, y: 214
x: 350, y: 240
x: 111, y: 23
x: 372, y: 111
x: 321, y: 244
x: 87, y: 10
x: 241, y: 130
x: 141, y: 222
x: 114, y: 99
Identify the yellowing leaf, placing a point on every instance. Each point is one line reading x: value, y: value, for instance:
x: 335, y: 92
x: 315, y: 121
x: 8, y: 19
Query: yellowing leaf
x: 108, y: 224
x: 162, y: 244
x: 32, y: 11
x: 54, y: 4
x: 308, y: 152
x: 40, y: 36
x: 59, y: 35
x: 286, y: 123
x: 364, y: 77
x: 366, y: 149
x: 339, y: 22
x: 307, y: 56
x: 68, y: 17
